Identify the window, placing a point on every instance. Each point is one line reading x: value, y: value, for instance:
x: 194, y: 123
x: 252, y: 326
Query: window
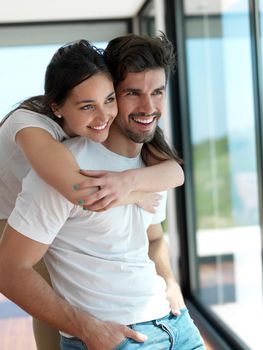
x: 225, y: 259
x: 147, y: 19
x: 24, y: 57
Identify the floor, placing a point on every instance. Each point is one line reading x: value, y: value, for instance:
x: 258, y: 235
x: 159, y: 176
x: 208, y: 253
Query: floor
x: 15, y: 327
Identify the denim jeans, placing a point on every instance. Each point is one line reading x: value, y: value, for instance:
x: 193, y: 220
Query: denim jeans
x: 167, y: 333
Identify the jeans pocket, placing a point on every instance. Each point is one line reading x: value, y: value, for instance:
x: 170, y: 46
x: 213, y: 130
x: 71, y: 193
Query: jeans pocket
x: 121, y: 345
x: 183, y: 309
x: 72, y: 344
x: 186, y: 333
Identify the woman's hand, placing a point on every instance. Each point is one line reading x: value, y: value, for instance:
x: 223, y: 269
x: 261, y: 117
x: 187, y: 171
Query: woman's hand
x: 149, y: 201
x: 112, y: 188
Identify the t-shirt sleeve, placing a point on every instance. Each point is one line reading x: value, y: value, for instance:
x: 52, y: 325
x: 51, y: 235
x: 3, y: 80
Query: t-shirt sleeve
x: 40, y: 210
x: 160, y: 214
x: 22, y: 119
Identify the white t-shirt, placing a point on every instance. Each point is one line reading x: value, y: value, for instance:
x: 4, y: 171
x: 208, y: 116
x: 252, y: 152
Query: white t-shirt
x: 97, y: 261
x: 13, y: 164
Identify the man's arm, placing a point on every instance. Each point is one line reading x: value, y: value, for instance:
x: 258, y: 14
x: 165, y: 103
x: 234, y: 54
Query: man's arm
x: 24, y: 286
x: 159, y: 254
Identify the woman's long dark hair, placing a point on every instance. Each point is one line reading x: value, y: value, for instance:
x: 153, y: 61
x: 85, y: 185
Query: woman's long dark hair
x: 70, y: 66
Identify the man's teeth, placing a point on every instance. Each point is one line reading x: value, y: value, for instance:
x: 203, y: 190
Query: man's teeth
x: 143, y: 121
x: 100, y: 127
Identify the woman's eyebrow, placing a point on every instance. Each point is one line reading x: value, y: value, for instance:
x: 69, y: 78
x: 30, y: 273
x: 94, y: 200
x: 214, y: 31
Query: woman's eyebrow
x: 84, y: 101
x: 112, y: 93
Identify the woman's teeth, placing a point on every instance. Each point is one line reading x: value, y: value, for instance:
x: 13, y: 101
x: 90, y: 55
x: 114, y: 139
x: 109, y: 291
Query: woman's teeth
x: 99, y: 127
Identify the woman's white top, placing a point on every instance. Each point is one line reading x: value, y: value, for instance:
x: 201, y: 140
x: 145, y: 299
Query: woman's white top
x: 13, y: 164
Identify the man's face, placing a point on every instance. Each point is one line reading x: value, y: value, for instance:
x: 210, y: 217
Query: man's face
x: 140, y: 98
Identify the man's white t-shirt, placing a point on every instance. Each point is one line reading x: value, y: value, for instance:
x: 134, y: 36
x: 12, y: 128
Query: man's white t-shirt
x: 13, y: 164
x: 97, y: 261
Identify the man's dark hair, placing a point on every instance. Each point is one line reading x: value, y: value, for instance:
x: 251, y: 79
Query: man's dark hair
x: 133, y: 54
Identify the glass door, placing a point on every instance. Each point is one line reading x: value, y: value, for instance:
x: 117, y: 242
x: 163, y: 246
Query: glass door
x: 226, y: 272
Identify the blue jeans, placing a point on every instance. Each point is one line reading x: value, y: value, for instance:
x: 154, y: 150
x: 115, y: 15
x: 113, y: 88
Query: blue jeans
x: 167, y: 333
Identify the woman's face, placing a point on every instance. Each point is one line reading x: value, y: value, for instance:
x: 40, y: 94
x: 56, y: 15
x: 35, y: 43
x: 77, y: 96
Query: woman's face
x: 90, y: 108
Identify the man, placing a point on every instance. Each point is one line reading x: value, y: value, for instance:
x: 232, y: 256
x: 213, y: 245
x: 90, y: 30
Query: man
x: 108, y: 294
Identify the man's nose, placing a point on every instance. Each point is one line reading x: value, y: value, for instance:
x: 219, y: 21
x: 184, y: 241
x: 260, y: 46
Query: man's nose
x: 147, y: 105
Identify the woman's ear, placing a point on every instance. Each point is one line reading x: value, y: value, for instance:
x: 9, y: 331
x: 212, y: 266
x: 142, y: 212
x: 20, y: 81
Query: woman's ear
x: 55, y: 109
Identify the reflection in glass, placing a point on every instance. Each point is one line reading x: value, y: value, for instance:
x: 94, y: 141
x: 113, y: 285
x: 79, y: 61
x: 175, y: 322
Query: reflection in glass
x: 219, y: 71
x: 22, y: 71
x: 147, y: 20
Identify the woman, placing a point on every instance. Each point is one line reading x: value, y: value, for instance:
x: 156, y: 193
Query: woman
x: 31, y: 136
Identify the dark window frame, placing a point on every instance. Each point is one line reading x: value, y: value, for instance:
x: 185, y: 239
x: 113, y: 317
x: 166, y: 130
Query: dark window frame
x: 216, y: 332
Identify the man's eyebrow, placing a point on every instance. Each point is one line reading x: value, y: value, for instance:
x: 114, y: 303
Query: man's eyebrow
x: 162, y: 87
x: 131, y: 90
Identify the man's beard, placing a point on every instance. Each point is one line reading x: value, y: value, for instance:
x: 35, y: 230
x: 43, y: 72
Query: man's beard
x: 141, y: 137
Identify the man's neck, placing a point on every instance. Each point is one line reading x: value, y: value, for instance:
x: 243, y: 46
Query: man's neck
x: 120, y: 144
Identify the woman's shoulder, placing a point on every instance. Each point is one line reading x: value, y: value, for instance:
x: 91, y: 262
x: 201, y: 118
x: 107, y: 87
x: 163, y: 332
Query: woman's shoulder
x: 24, y: 118
x: 26, y: 113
